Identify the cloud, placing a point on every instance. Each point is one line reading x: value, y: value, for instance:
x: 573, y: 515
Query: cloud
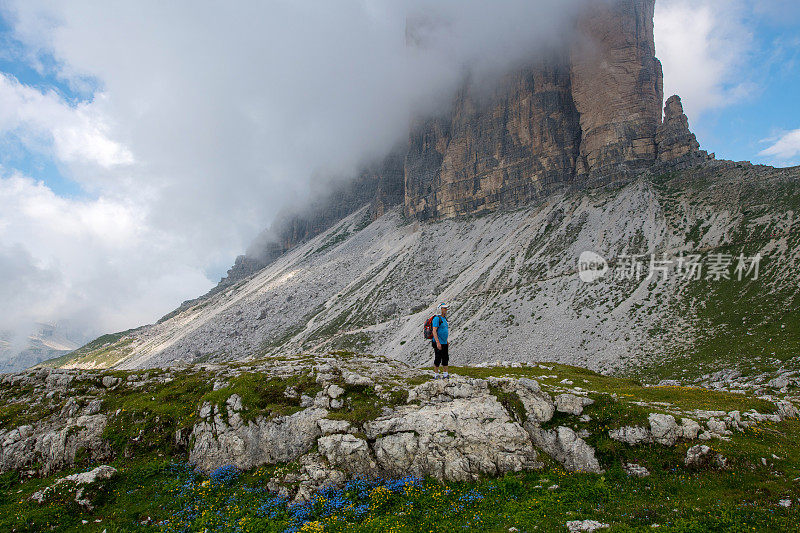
x: 785, y: 149
x: 95, y: 262
x: 195, y: 125
x: 44, y: 120
x: 704, y: 48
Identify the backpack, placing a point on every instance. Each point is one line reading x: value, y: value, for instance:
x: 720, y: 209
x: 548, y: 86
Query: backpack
x: 428, y: 329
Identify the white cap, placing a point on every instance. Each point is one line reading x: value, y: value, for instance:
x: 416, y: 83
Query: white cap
x: 444, y: 304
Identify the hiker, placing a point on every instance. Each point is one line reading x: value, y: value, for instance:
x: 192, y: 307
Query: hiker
x: 439, y: 341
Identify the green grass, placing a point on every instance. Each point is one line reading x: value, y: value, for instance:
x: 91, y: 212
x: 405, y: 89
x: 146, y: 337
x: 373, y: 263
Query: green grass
x: 263, y: 395
x: 149, y: 416
x: 103, y: 351
x: 362, y: 404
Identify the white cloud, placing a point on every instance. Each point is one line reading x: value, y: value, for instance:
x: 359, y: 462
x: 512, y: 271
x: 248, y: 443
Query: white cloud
x: 785, y: 149
x: 94, y: 261
x: 704, y: 47
x: 78, y: 134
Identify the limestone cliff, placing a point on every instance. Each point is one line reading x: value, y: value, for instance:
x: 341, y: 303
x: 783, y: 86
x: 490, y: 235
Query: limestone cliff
x: 587, y: 114
x: 617, y: 86
x: 495, y: 151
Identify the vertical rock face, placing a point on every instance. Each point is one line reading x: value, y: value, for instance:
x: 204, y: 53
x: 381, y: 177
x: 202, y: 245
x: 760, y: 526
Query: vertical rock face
x: 676, y: 144
x: 494, y: 150
x: 617, y: 86
x: 588, y: 113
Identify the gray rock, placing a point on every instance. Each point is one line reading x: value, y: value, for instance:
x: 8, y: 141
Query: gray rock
x: 322, y: 400
x: 351, y: 378
x: 291, y: 393
x: 94, y: 407
x: 334, y: 391
x: 779, y: 383
x: 786, y: 409
x: 262, y: 441
x: 563, y: 445
x: 348, y: 453
x: 631, y: 435
x: 456, y: 440
x: 577, y: 526
x: 571, y: 404
x: 539, y: 407
x: 313, y: 474
x: 701, y: 456
x: 110, y: 382
x: 632, y: 469
x: 328, y: 427
x: 54, y: 445
x: 717, y: 427
x: 445, y: 390
x: 689, y: 429
x: 234, y: 403
x: 663, y: 428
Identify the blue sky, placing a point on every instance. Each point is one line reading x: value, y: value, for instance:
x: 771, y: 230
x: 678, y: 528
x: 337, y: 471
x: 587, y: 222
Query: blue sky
x: 143, y: 145
x: 740, y: 131
x: 16, y: 60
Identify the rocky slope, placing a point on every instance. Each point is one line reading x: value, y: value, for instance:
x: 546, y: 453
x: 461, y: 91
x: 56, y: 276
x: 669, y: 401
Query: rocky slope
x: 516, y: 292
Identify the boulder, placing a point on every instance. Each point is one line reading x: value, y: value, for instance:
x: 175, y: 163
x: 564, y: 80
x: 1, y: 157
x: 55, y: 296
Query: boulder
x: 663, y: 428
x: 564, y: 445
x: 571, y: 404
x: 54, y: 446
x: 334, y: 391
x: 456, y: 439
x: 631, y: 435
x: 689, y: 429
x: 110, y: 382
x: 351, y: 378
x: 632, y: 469
x: 701, y: 456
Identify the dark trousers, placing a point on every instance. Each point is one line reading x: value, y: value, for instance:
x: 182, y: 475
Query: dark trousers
x: 440, y: 356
